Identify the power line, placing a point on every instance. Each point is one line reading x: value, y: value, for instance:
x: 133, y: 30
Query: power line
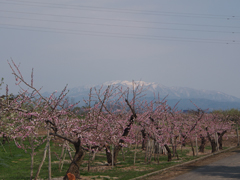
x: 122, y: 20
x: 109, y: 34
x: 93, y: 8
x: 114, y: 25
x: 118, y: 35
x: 133, y: 10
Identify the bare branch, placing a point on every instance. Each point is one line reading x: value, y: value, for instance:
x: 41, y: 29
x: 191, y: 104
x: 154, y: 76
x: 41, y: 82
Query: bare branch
x: 133, y: 111
x: 62, y: 137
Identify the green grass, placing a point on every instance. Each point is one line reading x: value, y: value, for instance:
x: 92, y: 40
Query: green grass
x: 208, y: 147
x: 126, y: 170
x: 15, y: 163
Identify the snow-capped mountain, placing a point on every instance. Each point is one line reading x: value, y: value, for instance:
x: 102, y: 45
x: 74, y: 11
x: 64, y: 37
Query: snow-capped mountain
x: 171, y: 92
x: 205, y: 99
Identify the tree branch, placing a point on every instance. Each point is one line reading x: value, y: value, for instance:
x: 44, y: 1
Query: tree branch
x: 62, y: 137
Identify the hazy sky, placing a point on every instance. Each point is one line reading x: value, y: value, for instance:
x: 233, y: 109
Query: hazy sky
x: 187, y: 43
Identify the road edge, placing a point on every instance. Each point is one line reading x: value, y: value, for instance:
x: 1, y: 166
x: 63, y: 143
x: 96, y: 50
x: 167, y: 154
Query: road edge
x: 185, y: 163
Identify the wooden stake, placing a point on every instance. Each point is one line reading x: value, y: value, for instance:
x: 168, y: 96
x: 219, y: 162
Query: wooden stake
x: 216, y: 136
x: 89, y: 159
x: 134, y: 158
x: 112, y: 156
x: 196, y: 147
x: 123, y: 154
x: 61, y: 157
x: 237, y: 135
x: 49, y: 158
x: 3, y: 147
x: 69, y: 151
x: 43, y: 159
x: 63, y: 161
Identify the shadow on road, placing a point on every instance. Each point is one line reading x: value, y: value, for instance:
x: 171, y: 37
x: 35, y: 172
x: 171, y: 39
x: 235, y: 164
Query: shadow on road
x: 224, y: 172
x: 228, y: 167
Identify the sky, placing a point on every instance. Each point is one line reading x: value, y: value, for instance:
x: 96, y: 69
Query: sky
x: 187, y: 43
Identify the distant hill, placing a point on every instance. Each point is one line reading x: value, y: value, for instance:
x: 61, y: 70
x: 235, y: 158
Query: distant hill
x: 204, y: 99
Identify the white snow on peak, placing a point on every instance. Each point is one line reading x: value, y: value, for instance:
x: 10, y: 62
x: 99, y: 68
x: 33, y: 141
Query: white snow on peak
x: 129, y: 83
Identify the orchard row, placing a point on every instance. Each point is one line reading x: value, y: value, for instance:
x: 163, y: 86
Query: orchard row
x: 112, y: 117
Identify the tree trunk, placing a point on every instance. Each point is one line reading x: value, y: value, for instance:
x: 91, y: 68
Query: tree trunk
x: 109, y: 155
x: 192, y: 148
x: 174, y: 146
x: 121, y: 141
x: 149, y: 151
x: 169, y: 152
x: 184, y: 141
x: 5, y: 138
x: 203, y: 143
x: 144, y: 139
x: 77, y: 160
x: 213, y: 144
x: 116, y: 152
x: 220, y: 136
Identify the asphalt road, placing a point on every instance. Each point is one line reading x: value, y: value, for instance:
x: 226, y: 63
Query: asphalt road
x: 226, y: 168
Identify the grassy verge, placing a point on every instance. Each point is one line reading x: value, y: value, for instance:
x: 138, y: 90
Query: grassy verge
x: 15, y: 163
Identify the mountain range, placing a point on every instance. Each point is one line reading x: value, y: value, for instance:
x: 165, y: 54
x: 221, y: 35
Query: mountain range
x: 204, y: 99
